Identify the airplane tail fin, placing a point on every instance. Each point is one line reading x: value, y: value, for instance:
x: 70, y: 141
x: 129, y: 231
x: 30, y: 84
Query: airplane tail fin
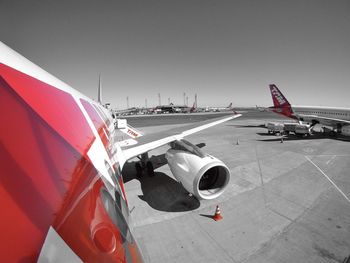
x: 99, y: 94
x: 230, y: 108
x: 279, y: 101
x: 280, y: 104
x: 194, y: 107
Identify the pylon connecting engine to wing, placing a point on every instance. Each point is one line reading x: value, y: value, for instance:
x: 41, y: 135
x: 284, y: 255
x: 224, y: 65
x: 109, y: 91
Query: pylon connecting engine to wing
x: 200, y: 174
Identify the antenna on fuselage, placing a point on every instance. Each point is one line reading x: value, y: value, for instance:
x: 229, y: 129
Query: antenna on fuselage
x: 99, y: 95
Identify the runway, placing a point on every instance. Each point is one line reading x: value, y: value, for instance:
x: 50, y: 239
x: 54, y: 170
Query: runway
x: 286, y: 202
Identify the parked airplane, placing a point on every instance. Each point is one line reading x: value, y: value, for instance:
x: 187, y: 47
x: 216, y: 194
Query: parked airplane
x: 219, y: 109
x: 338, y: 118
x: 192, y: 109
x: 261, y: 109
x: 228, y: 108
x: 62, y: 192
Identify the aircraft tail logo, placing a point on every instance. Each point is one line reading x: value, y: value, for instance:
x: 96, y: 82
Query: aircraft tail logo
x: 277, y: 97
x: 280, y: 103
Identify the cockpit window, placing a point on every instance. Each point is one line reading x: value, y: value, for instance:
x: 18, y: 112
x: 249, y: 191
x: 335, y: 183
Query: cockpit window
x: 186, y: 146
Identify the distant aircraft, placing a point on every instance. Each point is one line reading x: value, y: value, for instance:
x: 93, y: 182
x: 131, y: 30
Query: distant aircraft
x: 62, y: 192
x: 193, y: 108
x: 220, y: 109
x: 261, y: 109
x: 335, y: 117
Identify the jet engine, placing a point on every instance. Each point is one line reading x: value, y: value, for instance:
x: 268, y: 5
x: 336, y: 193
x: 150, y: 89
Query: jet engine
x: 345, y: 130
x: 201, y: 174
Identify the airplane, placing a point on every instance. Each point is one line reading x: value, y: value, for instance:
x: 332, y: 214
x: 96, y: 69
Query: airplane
x: 335, y: 117
x: 261, y: 109
x: 62, y: 191
x: 192, y: 109
x: 220, y: 109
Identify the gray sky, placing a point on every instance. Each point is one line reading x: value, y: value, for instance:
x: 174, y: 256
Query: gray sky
x: 225, y: 51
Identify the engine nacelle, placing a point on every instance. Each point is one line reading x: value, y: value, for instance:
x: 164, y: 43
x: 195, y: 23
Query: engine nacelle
x: 200, y: 174
x: 345, y: 130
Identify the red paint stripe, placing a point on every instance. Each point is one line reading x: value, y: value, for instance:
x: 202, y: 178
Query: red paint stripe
x: 55, y: 106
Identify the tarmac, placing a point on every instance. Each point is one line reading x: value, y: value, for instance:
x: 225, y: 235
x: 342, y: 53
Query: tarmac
x: 286, y: 201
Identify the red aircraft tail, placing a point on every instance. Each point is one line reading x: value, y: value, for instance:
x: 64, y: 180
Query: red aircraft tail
x: 278, y: 98
x: 280, y: 104
x: 194, y: 107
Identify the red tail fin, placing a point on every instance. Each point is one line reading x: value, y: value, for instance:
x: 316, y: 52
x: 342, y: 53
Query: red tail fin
x: 194, y: 107
x: 280, y: 103
x: 277, y: 97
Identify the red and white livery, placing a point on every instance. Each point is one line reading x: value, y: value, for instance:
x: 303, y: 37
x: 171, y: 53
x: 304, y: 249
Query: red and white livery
x: 335, y: 117
x: 62, y: 192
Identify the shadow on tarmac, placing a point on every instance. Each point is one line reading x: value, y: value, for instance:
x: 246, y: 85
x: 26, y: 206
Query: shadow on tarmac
x: 160, y: 191
x: 208, y: 216
x: 247, y: 126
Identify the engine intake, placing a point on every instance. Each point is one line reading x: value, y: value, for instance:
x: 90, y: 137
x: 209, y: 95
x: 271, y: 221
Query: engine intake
x: 200, y: 174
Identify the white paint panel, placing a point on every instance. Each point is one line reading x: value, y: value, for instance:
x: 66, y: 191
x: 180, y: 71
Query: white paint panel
x: 56, y: 250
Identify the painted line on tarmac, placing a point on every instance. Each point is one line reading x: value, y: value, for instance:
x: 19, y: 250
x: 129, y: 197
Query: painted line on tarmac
x: 330, y: 160
x: 329, y: 179
x: 337, y: 155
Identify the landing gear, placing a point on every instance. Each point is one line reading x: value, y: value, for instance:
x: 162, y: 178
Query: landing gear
x: 138, y: 169
x: 144, y: 165
x: 334, y: 134
x: 149, y: 169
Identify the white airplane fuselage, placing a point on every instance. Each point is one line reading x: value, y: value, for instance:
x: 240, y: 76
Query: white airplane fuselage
x: 312, y: 113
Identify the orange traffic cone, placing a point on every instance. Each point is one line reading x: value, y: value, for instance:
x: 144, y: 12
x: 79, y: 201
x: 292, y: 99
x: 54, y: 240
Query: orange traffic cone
x: 217, y: 216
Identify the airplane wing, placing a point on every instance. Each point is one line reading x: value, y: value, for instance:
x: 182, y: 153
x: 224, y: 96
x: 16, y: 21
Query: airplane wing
x: 147, y: 143
x: 324, y: 120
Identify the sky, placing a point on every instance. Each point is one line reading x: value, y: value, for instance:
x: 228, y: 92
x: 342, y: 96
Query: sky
x: 223, y: 51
